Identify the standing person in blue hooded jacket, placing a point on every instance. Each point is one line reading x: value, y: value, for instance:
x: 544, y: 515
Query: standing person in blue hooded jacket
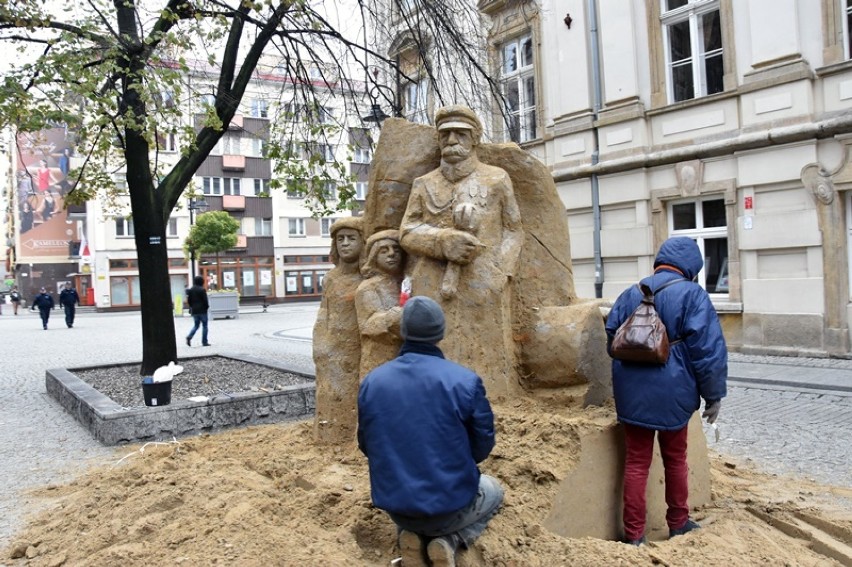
x: 660, y: 399
x: 424, y: 423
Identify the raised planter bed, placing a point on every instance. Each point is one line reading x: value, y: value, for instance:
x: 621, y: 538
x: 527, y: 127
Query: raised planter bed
x: 112, y: 423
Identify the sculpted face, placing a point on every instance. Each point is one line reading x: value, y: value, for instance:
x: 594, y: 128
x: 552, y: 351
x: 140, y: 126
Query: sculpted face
x: 349, y: 244
x: 456, y: 144
x: 389, y: 256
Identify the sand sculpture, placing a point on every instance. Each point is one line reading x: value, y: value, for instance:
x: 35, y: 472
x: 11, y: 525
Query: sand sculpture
x: 377, y: 300
x: 505, y: 279
x: 336, y: 341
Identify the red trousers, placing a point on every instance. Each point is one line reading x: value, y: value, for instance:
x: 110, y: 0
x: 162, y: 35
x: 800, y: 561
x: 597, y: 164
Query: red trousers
x: 639, y: 444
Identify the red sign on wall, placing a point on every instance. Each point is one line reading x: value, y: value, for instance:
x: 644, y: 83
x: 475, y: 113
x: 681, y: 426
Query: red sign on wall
x: 749, y: 203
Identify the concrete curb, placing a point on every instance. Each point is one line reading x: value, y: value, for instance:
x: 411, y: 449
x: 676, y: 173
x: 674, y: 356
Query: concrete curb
x: 113, y: 424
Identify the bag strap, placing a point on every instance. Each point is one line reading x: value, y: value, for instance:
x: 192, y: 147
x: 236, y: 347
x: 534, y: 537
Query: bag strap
x: 650, y: 296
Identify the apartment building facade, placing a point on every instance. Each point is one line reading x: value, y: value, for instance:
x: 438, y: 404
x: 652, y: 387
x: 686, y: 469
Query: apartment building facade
x: 282, y: 253
x: 727, y: 122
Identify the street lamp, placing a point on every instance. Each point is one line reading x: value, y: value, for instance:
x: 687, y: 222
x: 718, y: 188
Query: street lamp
x: 194, y: 205
x: 377, y: 114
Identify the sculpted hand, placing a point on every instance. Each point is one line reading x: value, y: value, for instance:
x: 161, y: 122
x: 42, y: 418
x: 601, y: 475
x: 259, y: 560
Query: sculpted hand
x: 711, y: 410
x: 459, y: 247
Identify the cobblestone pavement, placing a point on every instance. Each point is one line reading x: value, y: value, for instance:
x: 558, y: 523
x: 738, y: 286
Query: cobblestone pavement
x: 41, y: 444
x: 782, y: 431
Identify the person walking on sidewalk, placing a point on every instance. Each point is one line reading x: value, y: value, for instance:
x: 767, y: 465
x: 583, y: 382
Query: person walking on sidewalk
x: 69, y: 300
x: 15, y: 298
x: 44, y: 303
x: 658, y: 400
x: 424, y: 423
x: 196, y: 298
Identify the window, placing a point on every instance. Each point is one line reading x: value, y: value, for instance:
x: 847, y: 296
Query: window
x: 207, y: 100
x: 361, y: 190
x: 416, y: 101
x: 212, y: 185
x: 261, y: 187
x: 517, y: 77
x: 296, y: 227
x: 167, y: 142
x: 705, y: 222
x: 124, y: 227
x: 171, y: 228
x: 362, y: 155
x: 325, y: 226
x: 258, y: 147
x: 692, y: 34
x: 231, y: 185
x: 231, y: 145
x: 263, y: 227
x: 259, y: 108
x: 329, y: 190
x: 295, y: 188
x: 847, y: 27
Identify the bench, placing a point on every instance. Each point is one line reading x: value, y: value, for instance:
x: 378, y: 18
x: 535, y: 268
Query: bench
x: 254, y: 300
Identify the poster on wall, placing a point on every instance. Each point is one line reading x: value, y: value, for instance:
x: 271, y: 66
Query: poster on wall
x: 42, y: 181
x: 228, y: 279
x: 248, y: 278
x: 266, y: 277
x: 291, y: 284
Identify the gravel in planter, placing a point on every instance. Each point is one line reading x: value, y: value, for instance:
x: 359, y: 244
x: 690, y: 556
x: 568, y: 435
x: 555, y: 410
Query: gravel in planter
x: 200, y: 377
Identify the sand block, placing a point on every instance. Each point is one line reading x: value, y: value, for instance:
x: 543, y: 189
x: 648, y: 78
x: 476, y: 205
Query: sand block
x: 588, y: 501
x: 567, y: 347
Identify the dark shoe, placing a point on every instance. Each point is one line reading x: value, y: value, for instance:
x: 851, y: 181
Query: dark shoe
x: 441, y: 552
x: 687, y: 527
x: 188, y: 342
x: 411, y: 549
x: 636, y: 542
x: 205, y: 344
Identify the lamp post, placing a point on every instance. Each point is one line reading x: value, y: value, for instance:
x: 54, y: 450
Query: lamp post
x: 194, y: 205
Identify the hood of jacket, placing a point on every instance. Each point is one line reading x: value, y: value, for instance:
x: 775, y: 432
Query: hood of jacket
x: 682, y: 253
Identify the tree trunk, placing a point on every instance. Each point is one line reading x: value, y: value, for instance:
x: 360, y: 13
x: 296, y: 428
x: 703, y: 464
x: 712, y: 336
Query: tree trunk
x: 148, y: 206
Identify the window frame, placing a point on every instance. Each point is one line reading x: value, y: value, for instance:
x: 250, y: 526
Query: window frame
x: 325, y: 226
x: 124, y: 228
x: 296, y: 227
x: 263, y: 226
x: 361, y: 190
x: 701, y: 233
x: 362, y: 155
x: 416, y: 100
x: 692, y: 12
x: 524, y: 70
x: 172, y: 228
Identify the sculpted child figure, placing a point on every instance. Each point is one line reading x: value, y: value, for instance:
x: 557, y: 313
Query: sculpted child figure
x: 377, y: 300
x: 337, y: 345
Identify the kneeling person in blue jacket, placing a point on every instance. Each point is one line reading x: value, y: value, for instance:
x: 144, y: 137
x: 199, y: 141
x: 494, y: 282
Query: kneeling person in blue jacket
x: 424, y: 423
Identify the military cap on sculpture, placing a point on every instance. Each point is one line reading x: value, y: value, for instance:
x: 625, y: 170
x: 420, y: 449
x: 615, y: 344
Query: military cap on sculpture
x: 459, y: 117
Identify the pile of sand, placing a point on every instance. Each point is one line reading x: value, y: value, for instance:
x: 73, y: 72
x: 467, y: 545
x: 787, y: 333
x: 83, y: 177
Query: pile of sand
x: 270, y: 496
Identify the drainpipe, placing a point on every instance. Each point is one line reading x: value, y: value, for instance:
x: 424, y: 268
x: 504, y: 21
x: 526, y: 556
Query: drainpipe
x: 596, y: 108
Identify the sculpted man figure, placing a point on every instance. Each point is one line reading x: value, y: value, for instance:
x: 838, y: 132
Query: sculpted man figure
x: 462, y: 228
x: 337, y: 344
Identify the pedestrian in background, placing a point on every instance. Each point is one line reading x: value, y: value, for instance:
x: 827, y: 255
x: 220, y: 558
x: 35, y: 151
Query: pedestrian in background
x: 196, y: 298
x: 15, y: 298
x: 424, y: 424
x: 69, y: 300
x: 44, y: 303
x: 659, y: 399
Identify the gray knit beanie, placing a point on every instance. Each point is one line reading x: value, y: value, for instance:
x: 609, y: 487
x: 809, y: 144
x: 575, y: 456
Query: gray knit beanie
x: 422, y: 320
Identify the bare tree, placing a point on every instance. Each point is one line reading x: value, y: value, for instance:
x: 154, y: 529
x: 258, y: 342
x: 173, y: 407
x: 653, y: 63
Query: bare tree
x: 116, y: 74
